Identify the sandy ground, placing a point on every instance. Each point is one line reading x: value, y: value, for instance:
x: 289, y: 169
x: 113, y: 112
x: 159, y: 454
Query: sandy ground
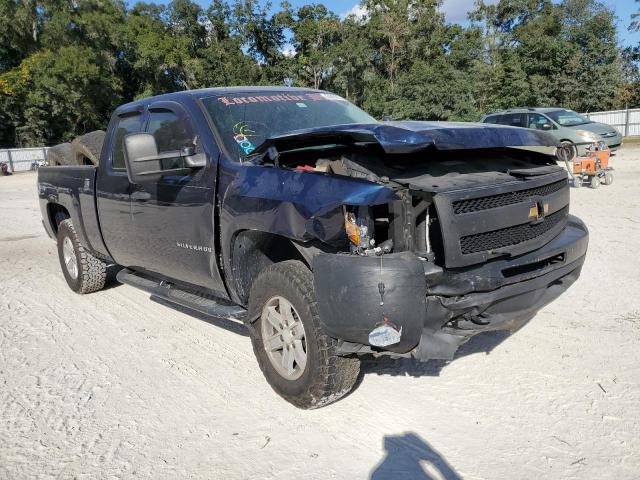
x: 114, y: 385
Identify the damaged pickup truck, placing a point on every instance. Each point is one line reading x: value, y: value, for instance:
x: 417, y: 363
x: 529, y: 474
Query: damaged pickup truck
x: 329, y: 234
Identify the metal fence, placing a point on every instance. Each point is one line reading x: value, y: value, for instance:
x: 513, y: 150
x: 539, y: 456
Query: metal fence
x: 626, y: 121
x: 22, y: 159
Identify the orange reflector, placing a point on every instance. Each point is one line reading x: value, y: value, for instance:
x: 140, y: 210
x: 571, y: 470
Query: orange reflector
x: 353, y: 231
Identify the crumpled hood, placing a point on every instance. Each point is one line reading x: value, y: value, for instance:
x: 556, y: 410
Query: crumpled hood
x: 411, y: 136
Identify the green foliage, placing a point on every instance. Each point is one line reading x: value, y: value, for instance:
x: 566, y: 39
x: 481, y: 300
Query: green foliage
x: 53, y: 95
x: 65, y: 64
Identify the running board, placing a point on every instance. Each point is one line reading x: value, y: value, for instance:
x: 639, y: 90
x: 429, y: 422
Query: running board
x: 174, y: 294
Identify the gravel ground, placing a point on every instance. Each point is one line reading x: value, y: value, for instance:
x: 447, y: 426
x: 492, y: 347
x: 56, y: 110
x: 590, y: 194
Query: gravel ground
x: 114, y: 385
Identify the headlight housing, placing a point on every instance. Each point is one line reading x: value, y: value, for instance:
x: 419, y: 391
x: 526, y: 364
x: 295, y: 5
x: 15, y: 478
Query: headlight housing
x: 358, y: 234
x: 588, y: 136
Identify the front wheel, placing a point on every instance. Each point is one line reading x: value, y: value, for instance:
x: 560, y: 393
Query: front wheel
x: 577, y: 181
x: 296, y: 356
x: 83, y: 272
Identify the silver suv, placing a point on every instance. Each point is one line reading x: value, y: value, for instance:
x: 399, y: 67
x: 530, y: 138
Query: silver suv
x: 571, y: 129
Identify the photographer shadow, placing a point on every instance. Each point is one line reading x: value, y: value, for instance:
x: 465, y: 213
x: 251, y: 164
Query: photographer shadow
x: 410, y: 457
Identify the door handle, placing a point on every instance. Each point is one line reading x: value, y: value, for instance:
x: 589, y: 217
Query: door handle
x: 140, y: 195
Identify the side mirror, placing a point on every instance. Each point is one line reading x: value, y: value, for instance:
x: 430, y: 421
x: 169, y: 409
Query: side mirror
x: 547, y: 126
x: 145, y: 164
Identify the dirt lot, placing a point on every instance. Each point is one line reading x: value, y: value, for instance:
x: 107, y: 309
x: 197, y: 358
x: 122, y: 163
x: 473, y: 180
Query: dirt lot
x: 114, y: 385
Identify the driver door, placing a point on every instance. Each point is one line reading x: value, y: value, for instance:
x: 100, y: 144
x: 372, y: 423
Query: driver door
x: 173, y: 217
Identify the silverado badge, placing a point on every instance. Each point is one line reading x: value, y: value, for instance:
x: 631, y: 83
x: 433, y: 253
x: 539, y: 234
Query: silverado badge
x: 195, y: 248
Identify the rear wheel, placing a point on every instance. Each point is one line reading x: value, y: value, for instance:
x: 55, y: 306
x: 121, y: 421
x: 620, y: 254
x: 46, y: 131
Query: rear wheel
x: 83, y: 272
x: 608, y: 178
x: 595, y: 181
x: 296, y: 356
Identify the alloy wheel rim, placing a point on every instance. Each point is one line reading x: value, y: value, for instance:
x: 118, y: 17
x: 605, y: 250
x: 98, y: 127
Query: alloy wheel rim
x: 283, y: 337
x: 69, y: 255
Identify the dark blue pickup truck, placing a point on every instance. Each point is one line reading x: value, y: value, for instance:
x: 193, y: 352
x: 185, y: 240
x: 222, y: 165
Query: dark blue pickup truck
x: 329, y: 234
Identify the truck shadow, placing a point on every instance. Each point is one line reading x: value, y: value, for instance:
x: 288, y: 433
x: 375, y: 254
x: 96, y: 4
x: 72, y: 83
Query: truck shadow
x: 110, y: 281
x: 481, y: 343
x: 406, y: 457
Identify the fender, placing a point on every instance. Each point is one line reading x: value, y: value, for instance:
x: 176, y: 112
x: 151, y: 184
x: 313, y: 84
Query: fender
x: 300, y: 206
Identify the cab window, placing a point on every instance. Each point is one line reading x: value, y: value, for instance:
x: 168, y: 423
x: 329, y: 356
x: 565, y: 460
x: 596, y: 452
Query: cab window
x: 125, y: 125
x: 172, y: 135
x: 491, y: 119
x: 170, y: 131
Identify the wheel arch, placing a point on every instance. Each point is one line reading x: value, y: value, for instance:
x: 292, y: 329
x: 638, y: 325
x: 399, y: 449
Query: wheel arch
x: 252, y: 251
x: 56, y: 213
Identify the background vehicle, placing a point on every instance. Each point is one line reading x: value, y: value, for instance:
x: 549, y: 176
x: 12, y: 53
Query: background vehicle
x: 330, y: 235
x: 593, y: 168
x: 37, y: 164
x: 570, y: 129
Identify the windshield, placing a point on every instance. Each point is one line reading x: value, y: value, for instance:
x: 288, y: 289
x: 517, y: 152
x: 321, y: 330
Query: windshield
x: 245, y: 120
x: 567, y: 118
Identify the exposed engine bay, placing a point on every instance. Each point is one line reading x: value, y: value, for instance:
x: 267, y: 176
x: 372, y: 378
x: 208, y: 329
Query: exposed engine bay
x: 428, y: 184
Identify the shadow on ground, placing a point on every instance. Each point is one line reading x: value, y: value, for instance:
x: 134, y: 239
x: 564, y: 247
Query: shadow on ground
x: 481, y: 343
x: 410, y: 457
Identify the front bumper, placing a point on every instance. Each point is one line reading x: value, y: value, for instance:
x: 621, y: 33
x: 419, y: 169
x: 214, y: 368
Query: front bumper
x: 614, y: 142
x: 437, y: 310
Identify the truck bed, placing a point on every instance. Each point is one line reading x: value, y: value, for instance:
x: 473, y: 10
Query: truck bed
x: 72, y: 188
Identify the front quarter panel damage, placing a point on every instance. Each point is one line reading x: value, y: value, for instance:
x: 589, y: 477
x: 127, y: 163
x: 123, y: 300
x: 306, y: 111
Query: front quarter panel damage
x: 300, y: 206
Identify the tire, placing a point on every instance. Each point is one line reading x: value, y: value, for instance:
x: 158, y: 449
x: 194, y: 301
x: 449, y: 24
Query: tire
x: 87, y: 148
x: 595, y: 181
x: 90, y: 272
x: 325, y: 376
x: 567, y: 151
x: 61, y: 154
x: 608, y: 178
x: 577, y: 181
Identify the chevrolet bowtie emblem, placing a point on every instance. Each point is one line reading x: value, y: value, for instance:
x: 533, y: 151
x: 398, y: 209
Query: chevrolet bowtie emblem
x: 538, y: 211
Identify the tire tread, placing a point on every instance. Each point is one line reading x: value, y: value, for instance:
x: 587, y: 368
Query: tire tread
x: 337, y: 374
x: 93, y: 271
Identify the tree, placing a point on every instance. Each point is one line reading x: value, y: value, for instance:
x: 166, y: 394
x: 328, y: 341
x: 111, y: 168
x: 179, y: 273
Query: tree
x: 51, y: 96
x: 64, y: 64
x: 315, y: 33
x: 19, y: 30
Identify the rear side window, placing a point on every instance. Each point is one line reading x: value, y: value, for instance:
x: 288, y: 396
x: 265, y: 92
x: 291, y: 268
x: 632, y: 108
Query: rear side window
x: 513, y: 119
x: 126, y: 125
x: 170, y: 131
